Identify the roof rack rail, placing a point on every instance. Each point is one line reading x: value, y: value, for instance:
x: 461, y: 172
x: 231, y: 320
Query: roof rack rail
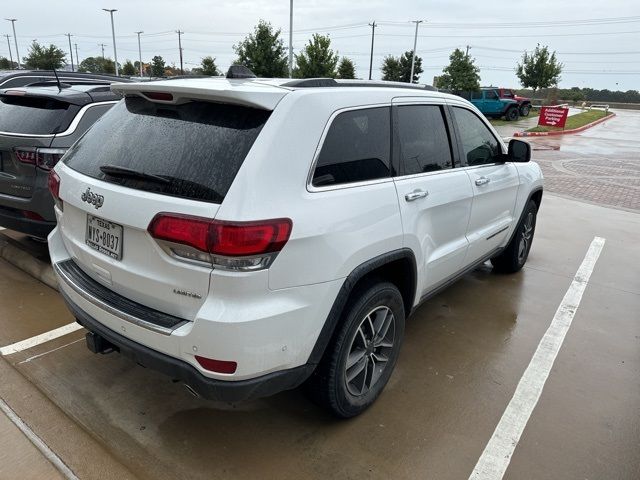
x: 66, y: 83
x: 330, y: 82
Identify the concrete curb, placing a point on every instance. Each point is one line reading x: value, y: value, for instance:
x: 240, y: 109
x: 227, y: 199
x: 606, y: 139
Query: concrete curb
x: 565, y: 132
x: 26, y: 262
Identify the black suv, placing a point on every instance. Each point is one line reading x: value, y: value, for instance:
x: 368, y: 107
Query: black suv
x: 37, y: 125
x: 21, y: 78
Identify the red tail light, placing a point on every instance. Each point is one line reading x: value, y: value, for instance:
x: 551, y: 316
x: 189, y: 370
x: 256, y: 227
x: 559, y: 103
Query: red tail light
x: 54, y: 185
x: 44, y: 158
x: 218, y: 366
x: 161, y: 96
x: 225, y: 239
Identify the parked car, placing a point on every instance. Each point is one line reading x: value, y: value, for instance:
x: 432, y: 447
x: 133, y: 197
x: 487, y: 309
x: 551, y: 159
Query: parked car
x: 524, y: 103
x: 37, y: 125
x: 21, y: 78
x: 488, y: 101
x: 248, y: 236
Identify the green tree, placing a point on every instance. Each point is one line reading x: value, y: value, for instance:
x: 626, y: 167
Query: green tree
x: 209, y: 67
x: 157, y: 66
x: 316, y: 60
x: 539, y: 69
x: 6, y: 64
x: 44, y: 58
x: 129, y: 69
x: 346, y: 68
x: 97, y: 65
x: 461, y: 75
x: 398, y: 69
x: 263, y: 52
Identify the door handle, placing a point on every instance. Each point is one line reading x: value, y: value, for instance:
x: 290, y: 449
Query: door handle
x: 482, y: 181
x: 415, y: 195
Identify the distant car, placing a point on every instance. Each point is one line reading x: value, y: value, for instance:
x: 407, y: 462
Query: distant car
x: 37, y: 125
x: 524, y: 103
x: 488, y: 101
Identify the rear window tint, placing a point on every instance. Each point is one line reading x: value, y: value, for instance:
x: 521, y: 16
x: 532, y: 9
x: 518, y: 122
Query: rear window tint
x: 197, y: 147
x: 34, y: 115
x: 356, y: 148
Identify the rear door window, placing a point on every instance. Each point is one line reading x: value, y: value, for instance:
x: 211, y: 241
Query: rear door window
x: 479, y: 145
x: 423, y: 140
x: 193, y: 150
x: 356, y: 148
x: 34, y: 115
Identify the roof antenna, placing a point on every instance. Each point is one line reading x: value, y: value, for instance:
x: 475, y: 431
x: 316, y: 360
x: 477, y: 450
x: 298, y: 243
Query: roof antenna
x: 57, y: 79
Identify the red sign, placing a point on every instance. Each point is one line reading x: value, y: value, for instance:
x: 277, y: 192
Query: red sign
x: 553, y: 116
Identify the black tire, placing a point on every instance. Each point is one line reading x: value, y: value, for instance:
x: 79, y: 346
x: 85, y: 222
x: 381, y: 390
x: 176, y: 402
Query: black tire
x: 513, y: 258
x: 524, y: 110
x: 512, y: 114
x: 329, y: 385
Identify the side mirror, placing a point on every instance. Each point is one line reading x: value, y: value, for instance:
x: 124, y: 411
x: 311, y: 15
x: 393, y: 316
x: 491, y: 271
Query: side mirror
x: 519, y: 151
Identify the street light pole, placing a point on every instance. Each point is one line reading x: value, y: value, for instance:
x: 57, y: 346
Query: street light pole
x: 180, y: 48
x: 15, y: 38
x: 139, y: 52
x: 10, y: 55
x: 415, y: 42
x: 373, y: 36
x: 290, y: 38
x: 68, y: 35
x: 113, y: 36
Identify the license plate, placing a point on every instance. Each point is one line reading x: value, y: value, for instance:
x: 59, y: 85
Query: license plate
x: 104, y: 236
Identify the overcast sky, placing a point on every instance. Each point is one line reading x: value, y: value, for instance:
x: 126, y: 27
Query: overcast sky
x: 601, y: 54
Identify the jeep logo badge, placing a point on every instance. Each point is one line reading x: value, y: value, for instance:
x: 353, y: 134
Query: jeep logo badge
x: 92, y: 198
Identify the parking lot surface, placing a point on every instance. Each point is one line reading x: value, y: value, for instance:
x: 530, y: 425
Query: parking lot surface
x: 464, y: 354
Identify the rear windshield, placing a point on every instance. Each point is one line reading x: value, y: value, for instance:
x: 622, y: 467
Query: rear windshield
x: 34, y: 115
x: 197, y: 148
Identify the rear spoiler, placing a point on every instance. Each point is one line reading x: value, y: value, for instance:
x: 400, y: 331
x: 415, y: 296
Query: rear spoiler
x: 248, y: 94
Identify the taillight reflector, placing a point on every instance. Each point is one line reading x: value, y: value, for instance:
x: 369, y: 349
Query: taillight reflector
x: 54, y: 184
x: 218, y: 366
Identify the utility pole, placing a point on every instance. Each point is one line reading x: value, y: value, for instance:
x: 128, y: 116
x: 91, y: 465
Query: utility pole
x: 113, y: 35
x: 15, y: 38
x: 373, y: 36
x: 290, y: 38
x: 102, y: 45
x: 180, y: 47
x: 415, y: 42
x: 139, y: 52
x: 77, y: 56
x: 10, y: 55
x: 467, y: 54
x: 68, y: 35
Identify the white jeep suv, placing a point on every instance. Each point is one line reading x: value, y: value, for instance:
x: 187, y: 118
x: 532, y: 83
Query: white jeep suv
x: 248, y: 235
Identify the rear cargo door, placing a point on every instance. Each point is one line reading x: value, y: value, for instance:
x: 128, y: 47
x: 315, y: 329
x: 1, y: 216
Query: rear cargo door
x: 140, y: 159
x: 27, y: 123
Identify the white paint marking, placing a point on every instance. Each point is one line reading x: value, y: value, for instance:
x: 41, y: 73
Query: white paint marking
x: 496, y: 456
x: 38, y: 339
x: 37, y: 441
x: 27, y: 360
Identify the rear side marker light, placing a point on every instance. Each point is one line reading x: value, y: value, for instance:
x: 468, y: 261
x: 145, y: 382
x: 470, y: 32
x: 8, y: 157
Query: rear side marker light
x: 243, y: 246
x: 217, y: 366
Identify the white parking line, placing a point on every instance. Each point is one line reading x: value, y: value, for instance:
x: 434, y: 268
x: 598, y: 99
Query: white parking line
x: 37, y: 442
x: 38, y: 339
x: 496, y: 456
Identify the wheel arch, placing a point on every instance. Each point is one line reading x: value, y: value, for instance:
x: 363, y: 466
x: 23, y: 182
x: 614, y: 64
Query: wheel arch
x: 397, y: 267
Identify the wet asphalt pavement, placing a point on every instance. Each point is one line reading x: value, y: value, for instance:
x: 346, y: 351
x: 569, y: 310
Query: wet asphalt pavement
x: 465, y: 351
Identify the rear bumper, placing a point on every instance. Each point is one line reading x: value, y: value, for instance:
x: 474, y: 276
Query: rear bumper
x: 15, y: 220
x: 226, y: 391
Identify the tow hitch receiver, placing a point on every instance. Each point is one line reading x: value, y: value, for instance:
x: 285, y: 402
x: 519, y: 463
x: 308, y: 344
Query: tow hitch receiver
x: 98, y: 344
